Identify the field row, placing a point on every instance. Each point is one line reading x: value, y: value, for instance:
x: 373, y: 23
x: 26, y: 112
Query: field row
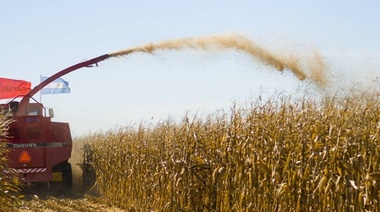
x: 281, y: 154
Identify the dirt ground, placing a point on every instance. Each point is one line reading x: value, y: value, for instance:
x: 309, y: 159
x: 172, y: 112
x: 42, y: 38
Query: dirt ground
x: 52, y: 204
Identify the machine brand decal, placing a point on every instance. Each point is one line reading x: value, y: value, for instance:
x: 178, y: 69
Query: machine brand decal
x: 31, y: 119
x: 36, y: 145
x: 24, y: 145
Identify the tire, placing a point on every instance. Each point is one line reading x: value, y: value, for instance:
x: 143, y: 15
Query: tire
x: 67, y: 177
x: 63, y: 187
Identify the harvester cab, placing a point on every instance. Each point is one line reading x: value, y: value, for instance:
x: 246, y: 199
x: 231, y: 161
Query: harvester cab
x: 33, y: 109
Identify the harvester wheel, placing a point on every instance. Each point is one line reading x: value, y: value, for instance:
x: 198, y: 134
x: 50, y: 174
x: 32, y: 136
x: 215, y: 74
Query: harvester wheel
x: 67, y: 177
x: 63, y: 185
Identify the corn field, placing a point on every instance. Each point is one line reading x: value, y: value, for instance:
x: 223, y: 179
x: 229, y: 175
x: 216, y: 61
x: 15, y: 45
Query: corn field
x: 281, y: 154
x: 8, y: 184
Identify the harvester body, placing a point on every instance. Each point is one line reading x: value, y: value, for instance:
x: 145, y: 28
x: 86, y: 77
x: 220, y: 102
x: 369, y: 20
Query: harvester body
x: 39, y: 149
x: 37, y: 145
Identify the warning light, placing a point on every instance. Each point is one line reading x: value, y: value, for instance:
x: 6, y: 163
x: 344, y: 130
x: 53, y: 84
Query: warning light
x: 24, y: 157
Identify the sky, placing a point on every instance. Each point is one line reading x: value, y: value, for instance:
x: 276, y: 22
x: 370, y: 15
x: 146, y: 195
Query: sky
x: 42, y: 38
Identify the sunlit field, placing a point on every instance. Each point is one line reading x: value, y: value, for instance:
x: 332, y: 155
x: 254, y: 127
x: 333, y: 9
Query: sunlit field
x: 280, y: 154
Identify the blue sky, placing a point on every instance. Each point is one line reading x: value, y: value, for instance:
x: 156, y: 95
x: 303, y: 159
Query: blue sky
x: 41, y: 37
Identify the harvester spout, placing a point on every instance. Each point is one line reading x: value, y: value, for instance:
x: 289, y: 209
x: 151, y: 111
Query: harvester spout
x: 88, y: 63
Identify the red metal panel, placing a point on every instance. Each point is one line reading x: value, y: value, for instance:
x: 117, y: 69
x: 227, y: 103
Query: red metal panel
x: 26, y: 134
x: 59, y: 143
